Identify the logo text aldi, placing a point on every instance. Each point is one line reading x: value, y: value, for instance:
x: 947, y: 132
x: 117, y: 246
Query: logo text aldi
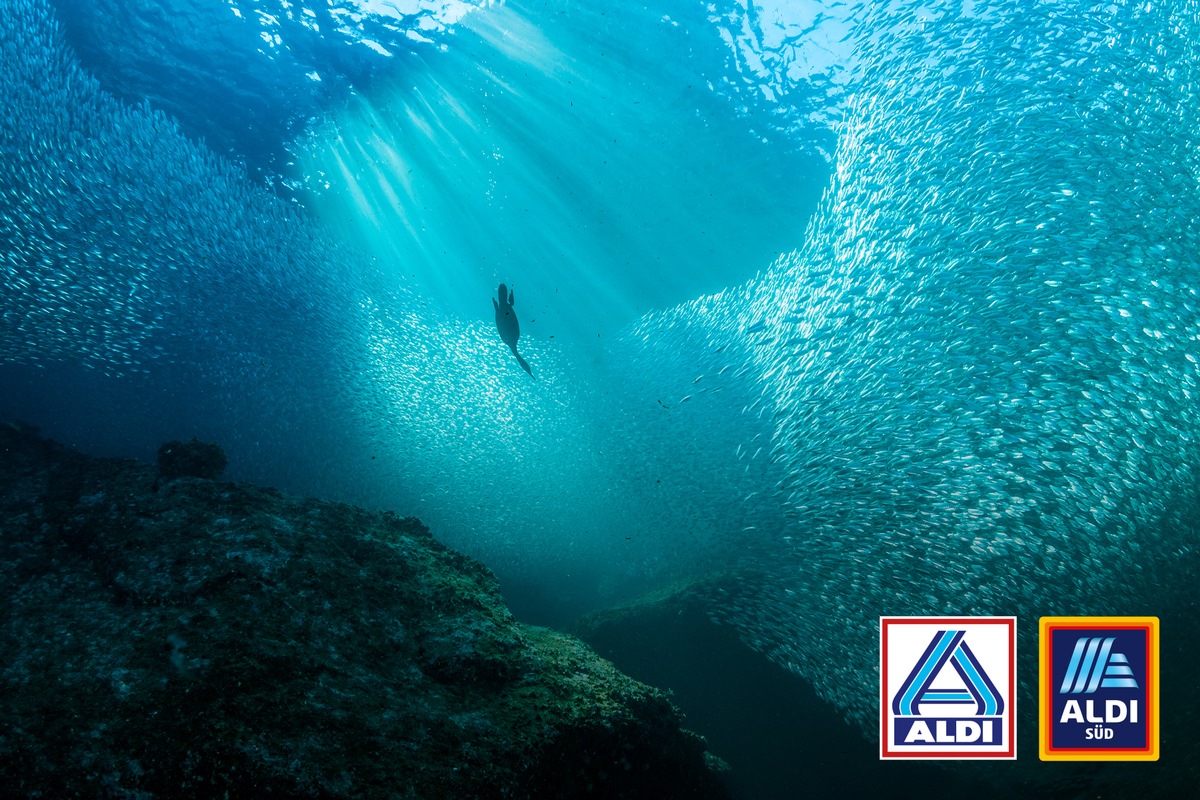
x: 1099, y: 689
x: 947, y: 687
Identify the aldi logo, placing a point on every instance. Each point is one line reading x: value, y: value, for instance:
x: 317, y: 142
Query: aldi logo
x: 948, y: 687
x: 1099, y: 689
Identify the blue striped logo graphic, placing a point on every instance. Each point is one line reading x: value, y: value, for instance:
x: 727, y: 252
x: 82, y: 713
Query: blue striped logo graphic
x: 1094, y: 666
x: 948, y: 647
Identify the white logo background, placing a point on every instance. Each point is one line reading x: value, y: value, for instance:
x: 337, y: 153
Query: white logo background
x: 907, y: 640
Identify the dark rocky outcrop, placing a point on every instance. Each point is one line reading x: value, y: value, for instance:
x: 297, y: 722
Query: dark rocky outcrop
x: 194, y: 459
x: 783, y: 741
x: 193, y: 638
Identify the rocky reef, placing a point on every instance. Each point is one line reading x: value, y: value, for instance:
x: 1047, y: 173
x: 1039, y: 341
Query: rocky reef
x: 783, y: 740
x: 194, y: 459
x: 194, y: 638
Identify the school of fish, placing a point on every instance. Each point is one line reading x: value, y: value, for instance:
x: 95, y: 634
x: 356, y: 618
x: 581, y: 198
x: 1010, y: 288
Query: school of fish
x: 972, y: 390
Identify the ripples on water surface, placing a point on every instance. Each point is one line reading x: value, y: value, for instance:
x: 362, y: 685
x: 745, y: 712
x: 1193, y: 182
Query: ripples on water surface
x: 964, y: 381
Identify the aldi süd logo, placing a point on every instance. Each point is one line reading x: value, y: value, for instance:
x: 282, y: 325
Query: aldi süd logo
x: 948, y: 687
x: 1098, y: 686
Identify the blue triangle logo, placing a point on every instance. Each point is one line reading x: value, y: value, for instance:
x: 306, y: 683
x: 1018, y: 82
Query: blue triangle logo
x: 971, y: 688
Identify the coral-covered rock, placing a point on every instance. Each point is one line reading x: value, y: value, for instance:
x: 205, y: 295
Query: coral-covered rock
x: 194, y: 459
x: 203, y: 638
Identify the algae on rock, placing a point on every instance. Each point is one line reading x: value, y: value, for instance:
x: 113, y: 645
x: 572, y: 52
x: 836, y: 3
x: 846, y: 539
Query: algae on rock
x: 187, y: 638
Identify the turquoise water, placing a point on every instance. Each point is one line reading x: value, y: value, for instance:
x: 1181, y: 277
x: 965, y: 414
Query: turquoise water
x: 281, y: 228
x: 891, y: 307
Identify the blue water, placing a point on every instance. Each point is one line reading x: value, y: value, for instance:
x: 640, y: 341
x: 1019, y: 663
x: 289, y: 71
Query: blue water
x: 306, y: 214
x: 893, y: 306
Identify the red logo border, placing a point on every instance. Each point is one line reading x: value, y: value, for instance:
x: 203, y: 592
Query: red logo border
x: 1011, y: 697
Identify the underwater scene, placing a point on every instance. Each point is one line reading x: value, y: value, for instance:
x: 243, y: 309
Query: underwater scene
x: 457, y: 398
